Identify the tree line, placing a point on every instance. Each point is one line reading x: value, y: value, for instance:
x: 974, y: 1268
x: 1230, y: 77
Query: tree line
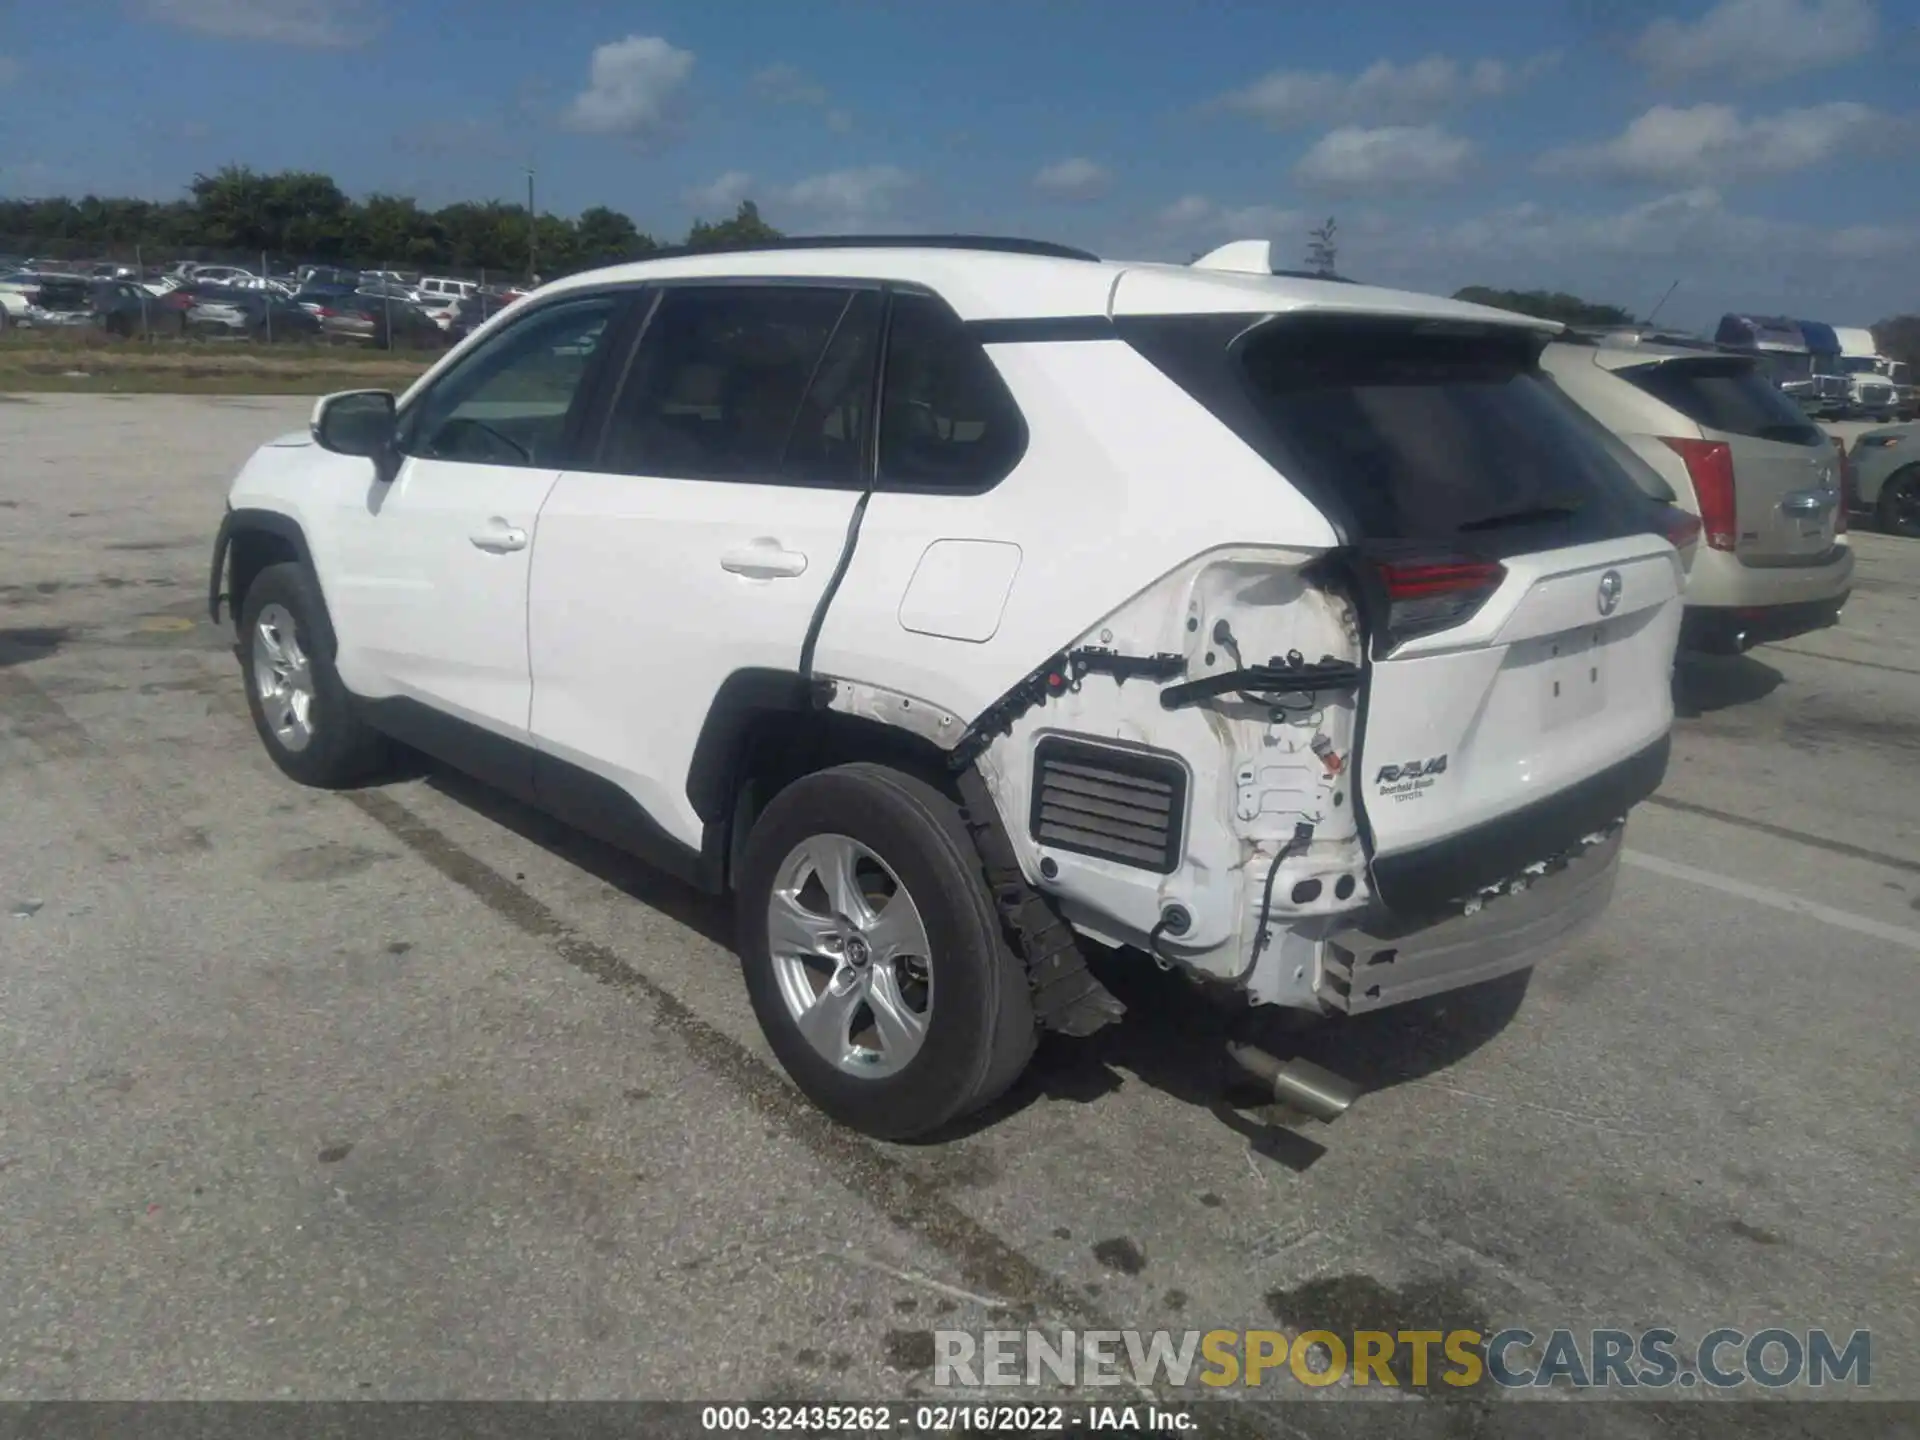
x: 299, y: 215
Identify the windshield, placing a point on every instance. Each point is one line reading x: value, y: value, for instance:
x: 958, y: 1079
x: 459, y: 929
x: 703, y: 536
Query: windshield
x: 1860, y: 364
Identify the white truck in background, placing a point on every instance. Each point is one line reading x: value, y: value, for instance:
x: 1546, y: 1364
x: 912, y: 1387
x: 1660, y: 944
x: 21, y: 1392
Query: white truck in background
x: 1878, y: 388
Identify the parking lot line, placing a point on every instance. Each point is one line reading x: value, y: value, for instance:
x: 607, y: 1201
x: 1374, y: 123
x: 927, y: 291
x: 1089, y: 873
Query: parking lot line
x: 1792, y: 904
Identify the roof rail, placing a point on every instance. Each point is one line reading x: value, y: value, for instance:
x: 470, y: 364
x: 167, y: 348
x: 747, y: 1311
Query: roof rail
x: 1002, y: 244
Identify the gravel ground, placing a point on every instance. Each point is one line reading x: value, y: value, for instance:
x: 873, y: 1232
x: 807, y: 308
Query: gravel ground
x: 410, y: 1093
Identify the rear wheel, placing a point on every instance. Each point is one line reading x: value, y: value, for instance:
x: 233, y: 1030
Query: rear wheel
x: 873, y: 954
x: 302, y: 712
x: 1899, y: 508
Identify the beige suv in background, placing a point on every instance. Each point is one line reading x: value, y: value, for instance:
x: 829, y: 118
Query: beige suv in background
x: 1766, y: 482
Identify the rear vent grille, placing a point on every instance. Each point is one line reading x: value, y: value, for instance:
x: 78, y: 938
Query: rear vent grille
x: 1123, y: 805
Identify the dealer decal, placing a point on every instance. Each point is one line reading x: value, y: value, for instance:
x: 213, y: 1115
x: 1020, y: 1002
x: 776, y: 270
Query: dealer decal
x: 1410, y: 779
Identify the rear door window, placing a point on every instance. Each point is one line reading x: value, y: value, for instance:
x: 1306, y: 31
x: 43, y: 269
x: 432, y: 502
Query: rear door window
x: 1729, y: 395
x: 1438, y: 434
x: 731, y: 380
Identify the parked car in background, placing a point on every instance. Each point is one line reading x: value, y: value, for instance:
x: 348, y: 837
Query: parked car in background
x: 313, y: 277
x: 1766, y: 482
x: 453, y: 289
x: 1886, y: 477
x: 17, y: 289
x: 220, y: 275
x: 380, y: 321
x: 248, y: 314
x: 60, y: 301
x: 123, y: 308
x: 440, y: 309
x: 473, y: 312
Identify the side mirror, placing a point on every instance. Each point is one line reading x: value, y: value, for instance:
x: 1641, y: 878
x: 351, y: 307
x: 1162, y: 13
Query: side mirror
x: 355, y: 422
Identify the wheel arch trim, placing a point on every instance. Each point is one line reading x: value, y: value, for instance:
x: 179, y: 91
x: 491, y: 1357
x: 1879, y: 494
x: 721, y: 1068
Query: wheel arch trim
x: 257, y: 521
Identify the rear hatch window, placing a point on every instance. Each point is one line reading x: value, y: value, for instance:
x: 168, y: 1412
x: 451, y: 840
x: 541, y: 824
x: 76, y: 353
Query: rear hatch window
x: 1728, y: 394
x: 1440, y: 434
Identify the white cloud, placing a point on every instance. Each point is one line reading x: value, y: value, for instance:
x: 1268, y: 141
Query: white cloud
x: 634, y: 88
x: 314, y: 24
x: 787, y: 85
x: 1402, y: 156
x: 1074, y: 179
x: 1724, y: 258
x: 1713, y: 143
x: 1384, y: 92
x: 1749, y: 41
x: 849, y: 199
x: 722, y: 195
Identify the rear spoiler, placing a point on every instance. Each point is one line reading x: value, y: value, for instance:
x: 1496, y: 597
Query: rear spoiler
x: 1630, y: 335
x: 1255, y: 257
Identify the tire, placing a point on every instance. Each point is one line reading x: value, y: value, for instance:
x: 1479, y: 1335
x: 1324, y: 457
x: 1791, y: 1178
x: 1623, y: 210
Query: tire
x: 976, y: 1028
x: 331, y: 747
x: 1898, y: 510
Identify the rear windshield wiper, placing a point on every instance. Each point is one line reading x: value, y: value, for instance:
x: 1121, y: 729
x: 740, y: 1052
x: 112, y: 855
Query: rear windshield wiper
x: 1532, y: 514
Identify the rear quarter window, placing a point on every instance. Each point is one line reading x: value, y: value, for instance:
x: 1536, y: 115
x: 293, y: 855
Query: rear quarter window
x: 1728, y: 395
x: 1440, y: 434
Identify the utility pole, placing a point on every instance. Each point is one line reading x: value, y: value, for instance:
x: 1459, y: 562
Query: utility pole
x: 533, y: 232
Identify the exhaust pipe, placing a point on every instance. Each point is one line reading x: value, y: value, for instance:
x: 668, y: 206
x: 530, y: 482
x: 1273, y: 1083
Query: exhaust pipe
x: 1298, y: 1085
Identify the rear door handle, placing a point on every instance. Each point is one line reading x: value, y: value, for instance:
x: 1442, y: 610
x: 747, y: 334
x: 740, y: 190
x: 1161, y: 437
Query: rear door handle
x: 498, y: 537
x: 764, y: 559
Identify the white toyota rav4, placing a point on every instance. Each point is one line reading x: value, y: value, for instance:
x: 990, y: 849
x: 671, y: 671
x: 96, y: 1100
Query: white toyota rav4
x: 949, y: 601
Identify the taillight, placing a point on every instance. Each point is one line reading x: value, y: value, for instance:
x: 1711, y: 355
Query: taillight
x: 1428, y: 593
x: 1846, y: 486
x: 1710, y: 467
x: 324, y: 313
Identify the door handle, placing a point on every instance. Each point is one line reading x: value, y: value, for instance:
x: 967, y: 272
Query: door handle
x: 764, y: 559
x: 498, y: 537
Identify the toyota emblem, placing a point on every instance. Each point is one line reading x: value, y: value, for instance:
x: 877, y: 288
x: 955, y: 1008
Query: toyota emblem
x: 1610, y: 587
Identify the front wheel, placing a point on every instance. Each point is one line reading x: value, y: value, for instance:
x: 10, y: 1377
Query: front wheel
x: 873, y: 954
x: 302, y: 712
x: 1899, y: 508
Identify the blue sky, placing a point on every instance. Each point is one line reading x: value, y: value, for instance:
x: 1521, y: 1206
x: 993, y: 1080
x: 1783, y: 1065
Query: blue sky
x: 1760, y: 152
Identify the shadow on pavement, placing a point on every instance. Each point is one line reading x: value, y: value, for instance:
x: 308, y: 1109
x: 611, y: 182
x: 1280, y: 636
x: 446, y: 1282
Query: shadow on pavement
x: 1705, y: 683
x: 709, y: 917
x: 1174, y: 1038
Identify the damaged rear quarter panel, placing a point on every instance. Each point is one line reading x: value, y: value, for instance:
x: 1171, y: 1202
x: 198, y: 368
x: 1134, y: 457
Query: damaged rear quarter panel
x: 1257, y: 769
x: 1125, y: 477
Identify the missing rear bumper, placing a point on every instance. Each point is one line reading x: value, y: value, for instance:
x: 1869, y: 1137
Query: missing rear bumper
x: 1379, y: 964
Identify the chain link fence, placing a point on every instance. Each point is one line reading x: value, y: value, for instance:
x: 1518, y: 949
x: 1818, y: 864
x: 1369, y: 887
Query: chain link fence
x: 134, y: 290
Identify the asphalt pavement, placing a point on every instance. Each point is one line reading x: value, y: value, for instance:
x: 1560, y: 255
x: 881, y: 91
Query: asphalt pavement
x: 410, y: 1093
